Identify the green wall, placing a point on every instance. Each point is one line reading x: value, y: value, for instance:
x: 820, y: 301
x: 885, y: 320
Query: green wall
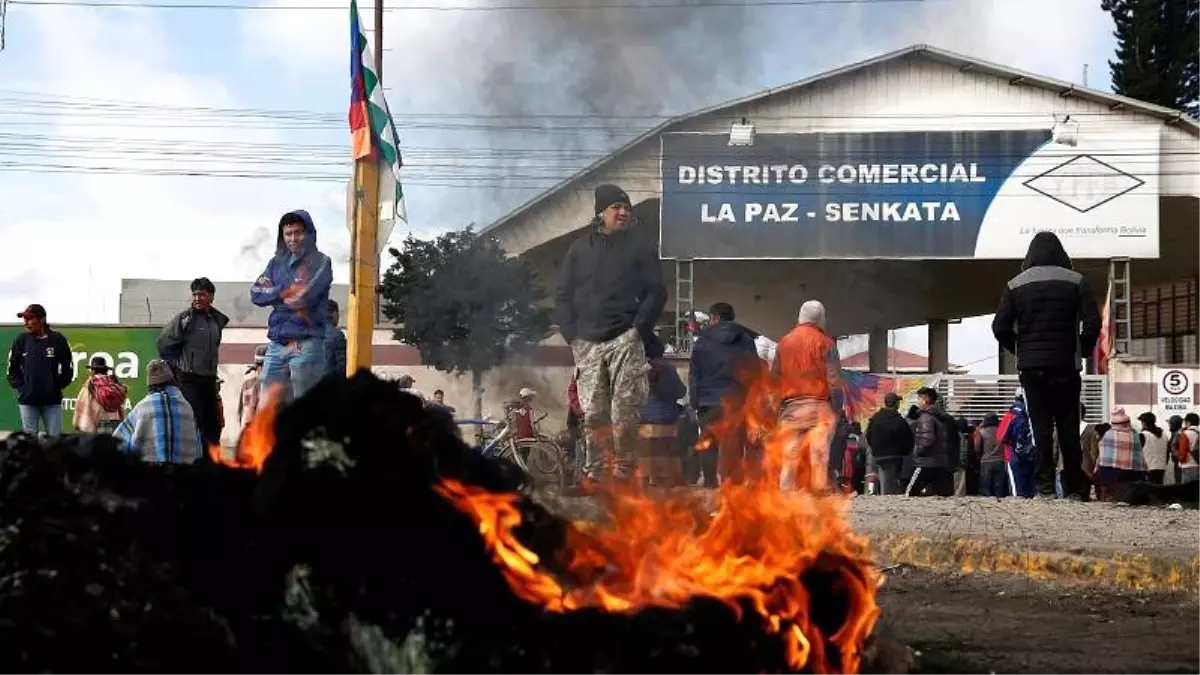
x: 127, y: 349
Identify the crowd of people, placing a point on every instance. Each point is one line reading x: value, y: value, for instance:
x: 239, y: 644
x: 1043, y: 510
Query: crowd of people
x: 629, y: 407
x: 181, y: 414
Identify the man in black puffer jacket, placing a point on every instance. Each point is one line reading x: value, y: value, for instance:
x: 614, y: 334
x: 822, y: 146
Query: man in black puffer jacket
x: 609, y: 298
x: 1048, y: 318
x: 931, y: 447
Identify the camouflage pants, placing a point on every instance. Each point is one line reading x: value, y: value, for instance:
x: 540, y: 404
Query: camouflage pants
x: 613, y: 385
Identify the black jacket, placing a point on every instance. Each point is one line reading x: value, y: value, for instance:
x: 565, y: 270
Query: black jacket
x: 931, y: 446
x: 607, y: 285
x: 1047, y: 315
x: 888, y: 435
x: 191, y: 342
x: 721, y: 350
x: 40, y: 368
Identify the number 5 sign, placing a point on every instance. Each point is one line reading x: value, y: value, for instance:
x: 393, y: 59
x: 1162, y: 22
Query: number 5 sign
x: 1175, y: 389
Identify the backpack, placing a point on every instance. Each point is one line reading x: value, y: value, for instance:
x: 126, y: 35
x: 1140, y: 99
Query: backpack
x: 108, y: 392
x: 1021, y: 435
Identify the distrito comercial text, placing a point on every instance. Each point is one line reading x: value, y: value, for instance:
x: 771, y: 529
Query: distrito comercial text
x: 822, y: 178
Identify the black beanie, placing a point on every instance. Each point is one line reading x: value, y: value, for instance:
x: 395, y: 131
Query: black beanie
x: 607, y: 195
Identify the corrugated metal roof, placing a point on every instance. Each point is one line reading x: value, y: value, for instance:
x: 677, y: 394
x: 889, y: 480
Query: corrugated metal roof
x: 965, y: 63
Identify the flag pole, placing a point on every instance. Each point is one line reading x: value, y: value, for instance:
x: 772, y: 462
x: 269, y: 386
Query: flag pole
x: 365, y: 263
x: 364, y: 256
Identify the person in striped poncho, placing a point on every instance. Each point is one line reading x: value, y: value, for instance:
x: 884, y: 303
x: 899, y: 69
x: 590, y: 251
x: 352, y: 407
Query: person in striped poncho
x: 162, y: 426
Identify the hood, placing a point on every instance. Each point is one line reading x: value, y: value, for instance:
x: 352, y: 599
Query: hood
x: 310, y: 242
x: 990, y: 420
x: 1045, y: 250
x: 726, y: 332
x: 812, y: 312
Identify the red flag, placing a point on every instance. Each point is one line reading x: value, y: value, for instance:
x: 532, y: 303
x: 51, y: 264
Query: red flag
x: 1104, y: 346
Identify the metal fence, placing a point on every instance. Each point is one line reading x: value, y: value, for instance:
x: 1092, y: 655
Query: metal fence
x: 973, y: 396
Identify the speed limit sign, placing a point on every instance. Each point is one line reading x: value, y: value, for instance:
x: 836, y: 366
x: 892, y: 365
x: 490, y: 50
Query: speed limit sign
x: 1174, y: 391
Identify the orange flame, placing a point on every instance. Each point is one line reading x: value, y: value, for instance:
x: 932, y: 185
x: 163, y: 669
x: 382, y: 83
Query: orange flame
x: 755, y: 551
x: 258, y: 438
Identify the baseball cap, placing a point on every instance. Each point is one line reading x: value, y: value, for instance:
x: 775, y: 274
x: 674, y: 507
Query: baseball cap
x: 526, y: 392
x: 34, y: 311
x: 891, y: 399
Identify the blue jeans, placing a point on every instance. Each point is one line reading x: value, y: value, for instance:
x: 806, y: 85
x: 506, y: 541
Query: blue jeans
x: 304, y: 361
x: 33, y: 416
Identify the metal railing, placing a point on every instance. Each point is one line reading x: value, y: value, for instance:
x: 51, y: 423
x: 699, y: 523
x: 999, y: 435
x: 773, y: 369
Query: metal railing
x: 973, y: 396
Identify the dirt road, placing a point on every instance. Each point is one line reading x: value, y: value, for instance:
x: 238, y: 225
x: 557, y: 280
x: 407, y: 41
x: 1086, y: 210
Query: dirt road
x: 1009, y: 624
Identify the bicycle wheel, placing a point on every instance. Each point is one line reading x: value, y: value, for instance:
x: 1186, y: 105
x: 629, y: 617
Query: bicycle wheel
x: 543, y: 464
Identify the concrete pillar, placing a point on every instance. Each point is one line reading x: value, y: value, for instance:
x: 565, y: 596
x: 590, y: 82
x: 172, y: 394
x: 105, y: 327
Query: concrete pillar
x: 1008, y: 362
x: 877, y: 350
x: 939, y: 346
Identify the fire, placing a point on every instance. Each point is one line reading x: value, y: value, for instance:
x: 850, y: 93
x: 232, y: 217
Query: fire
x: 258, y: 438
x: 755, y: 552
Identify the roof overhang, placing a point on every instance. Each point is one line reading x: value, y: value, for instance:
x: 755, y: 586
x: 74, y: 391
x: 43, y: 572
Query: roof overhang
x: 1014, y: 76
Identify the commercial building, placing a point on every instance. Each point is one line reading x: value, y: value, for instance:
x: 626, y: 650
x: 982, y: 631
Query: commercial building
x: 903, y: 190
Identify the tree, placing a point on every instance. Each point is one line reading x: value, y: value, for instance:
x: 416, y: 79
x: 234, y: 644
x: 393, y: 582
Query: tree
x: 1158, y: 51
x: 464, y: 303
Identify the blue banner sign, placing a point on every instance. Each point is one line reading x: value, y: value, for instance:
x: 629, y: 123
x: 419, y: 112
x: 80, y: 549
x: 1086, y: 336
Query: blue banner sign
x: 923, y: 194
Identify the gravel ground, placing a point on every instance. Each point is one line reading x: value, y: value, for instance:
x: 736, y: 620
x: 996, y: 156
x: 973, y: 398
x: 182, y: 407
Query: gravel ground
x: 1052, y: 525
x: 1027, y: 524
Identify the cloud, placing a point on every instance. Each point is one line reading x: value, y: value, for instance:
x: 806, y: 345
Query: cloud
x: 84, y: 232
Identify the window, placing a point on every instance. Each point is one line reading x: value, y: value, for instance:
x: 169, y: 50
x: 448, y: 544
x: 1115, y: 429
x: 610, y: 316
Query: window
x: 1164, y: 321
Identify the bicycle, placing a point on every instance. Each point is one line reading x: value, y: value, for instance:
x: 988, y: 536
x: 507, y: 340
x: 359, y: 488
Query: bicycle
x: 539, y: 458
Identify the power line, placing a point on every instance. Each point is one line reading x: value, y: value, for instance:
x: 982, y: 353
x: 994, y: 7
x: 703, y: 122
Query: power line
x: 56, y: 103
x: 539, y: 7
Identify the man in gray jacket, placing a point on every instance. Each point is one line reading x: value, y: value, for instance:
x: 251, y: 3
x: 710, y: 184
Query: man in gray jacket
x: 191, y: 343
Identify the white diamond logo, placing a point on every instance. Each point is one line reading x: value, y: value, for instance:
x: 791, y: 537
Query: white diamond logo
x: 1083, y: 183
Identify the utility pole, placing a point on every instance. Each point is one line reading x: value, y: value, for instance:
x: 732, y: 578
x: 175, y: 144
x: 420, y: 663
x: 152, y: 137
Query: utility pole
x: 364, y: 261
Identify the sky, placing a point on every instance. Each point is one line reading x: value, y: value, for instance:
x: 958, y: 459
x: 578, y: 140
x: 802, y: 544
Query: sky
x: 493, y: 106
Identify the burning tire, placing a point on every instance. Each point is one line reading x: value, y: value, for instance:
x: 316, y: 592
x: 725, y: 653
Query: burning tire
x: 358, y: 533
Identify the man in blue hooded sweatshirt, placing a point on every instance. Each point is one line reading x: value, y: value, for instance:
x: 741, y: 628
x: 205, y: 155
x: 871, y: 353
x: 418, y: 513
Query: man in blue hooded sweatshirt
x: 295, y: 286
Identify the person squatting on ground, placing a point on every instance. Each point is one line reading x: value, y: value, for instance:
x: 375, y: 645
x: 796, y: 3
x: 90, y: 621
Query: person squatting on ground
x: 609, y: 297
x: 1048, y: 318
x: 932, y: 446
x: 191, y: 344
x: 162, y: 426
x: 724, y: 349
x: 659, y: 460
x: 1121, y: 459
x: 295, y: 285
x: 40, y: 366
x: 890, y: 439
x: 808, y: 368
x: 100, y: 405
